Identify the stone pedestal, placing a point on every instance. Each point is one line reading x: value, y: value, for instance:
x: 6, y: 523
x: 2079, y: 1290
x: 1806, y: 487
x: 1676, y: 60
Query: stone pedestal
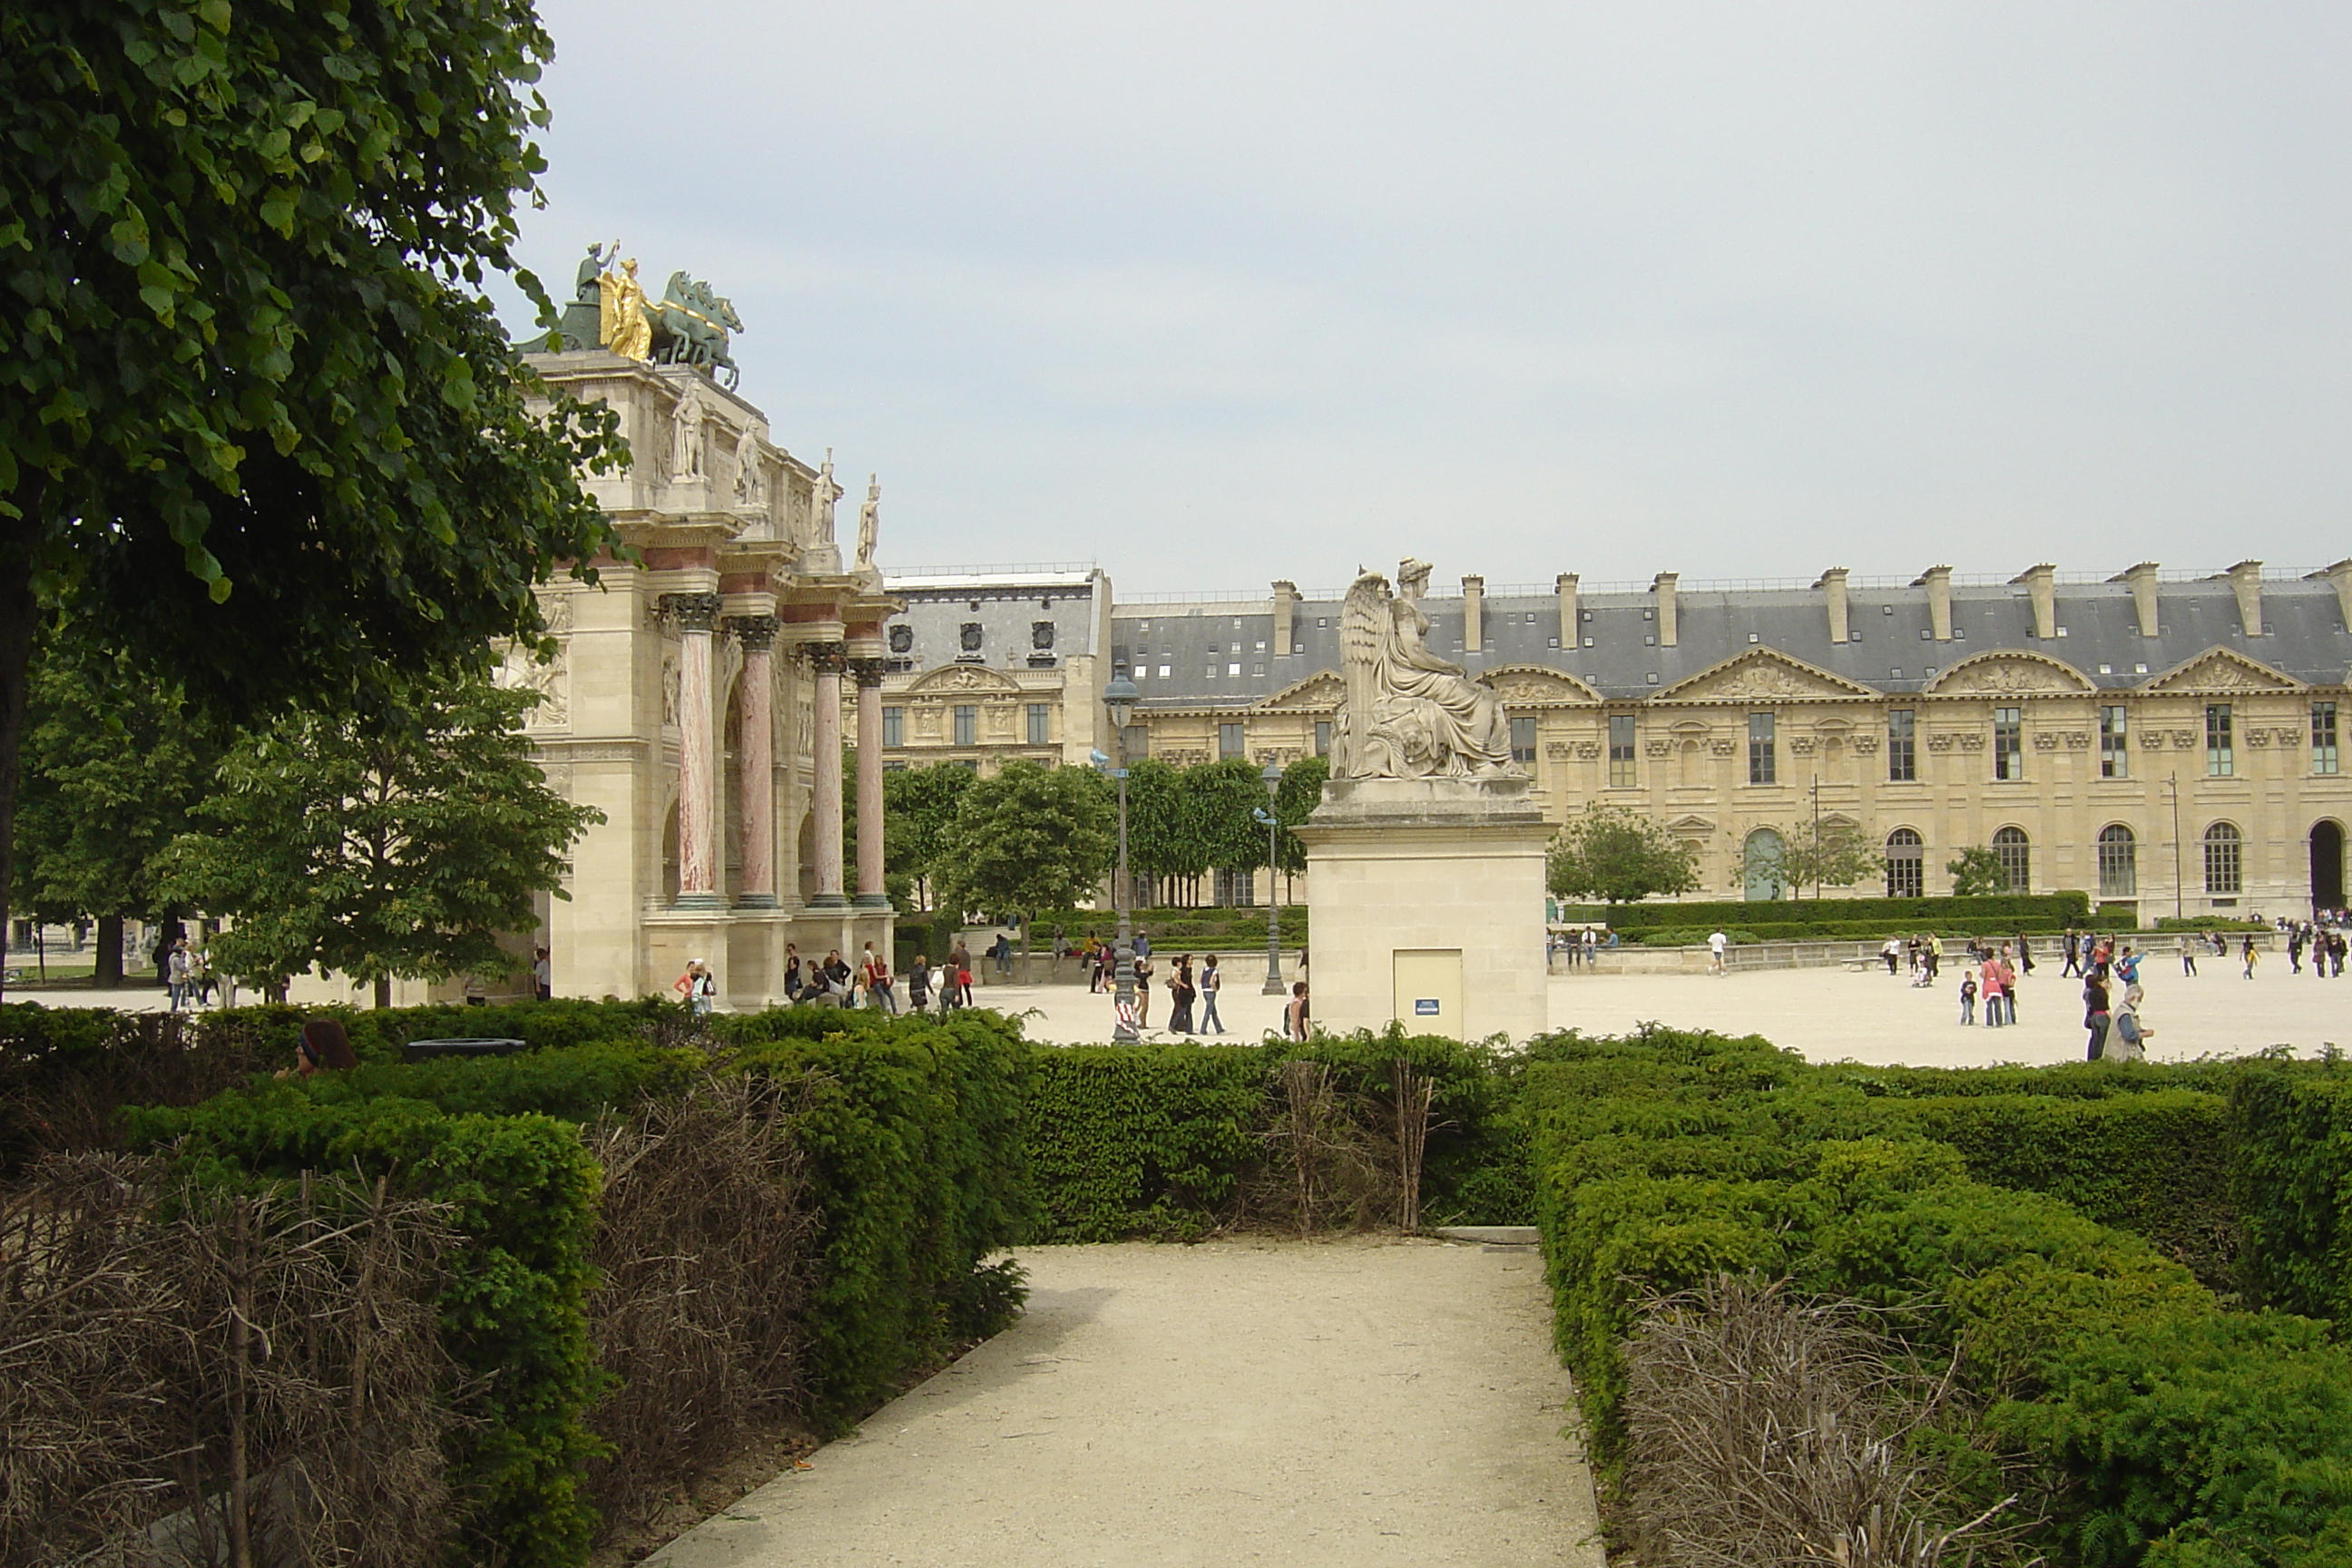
x: 1425, y: 901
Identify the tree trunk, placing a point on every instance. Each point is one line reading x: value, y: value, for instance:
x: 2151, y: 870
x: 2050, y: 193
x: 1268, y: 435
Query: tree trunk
x: 16, y: 613
x: 383, y: 991
x: 109, y: 956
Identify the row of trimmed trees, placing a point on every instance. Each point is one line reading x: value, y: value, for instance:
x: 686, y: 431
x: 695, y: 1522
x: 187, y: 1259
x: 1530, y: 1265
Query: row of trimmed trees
x: 1614, y: 855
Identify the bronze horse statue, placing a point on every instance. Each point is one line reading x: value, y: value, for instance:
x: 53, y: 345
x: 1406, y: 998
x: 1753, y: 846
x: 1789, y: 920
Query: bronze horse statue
x: 690, y: 324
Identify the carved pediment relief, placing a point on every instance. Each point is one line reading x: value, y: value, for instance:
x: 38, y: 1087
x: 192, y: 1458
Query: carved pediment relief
x: 958, y: 678
x: 1690, y: 826
x: 1318, y: 693
x: 2011, y: 673
x: 1762, y: 674
x: 2223, y: 669
x: 1534, y: 685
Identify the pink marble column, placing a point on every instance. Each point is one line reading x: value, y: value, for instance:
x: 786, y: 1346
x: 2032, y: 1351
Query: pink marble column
x: 755, y: 761
x: 697, y: 756
x: 869, y: 675
x: 827, y: 659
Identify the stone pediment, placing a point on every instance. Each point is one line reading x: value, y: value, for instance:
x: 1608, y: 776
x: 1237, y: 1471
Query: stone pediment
x: 2011, y: 672
x: 2223, y: 669
x: 1689, y: 825
x: 1536, y: 684
x: 956, y: 678
x: 1318, y: 693
x: 1762, y: 674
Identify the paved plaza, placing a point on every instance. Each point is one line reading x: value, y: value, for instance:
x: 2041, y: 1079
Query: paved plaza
x: 1364, y: 1402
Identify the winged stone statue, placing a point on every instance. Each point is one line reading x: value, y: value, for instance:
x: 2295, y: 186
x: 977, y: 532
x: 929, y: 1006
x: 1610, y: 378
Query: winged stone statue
x: 1407, y: 713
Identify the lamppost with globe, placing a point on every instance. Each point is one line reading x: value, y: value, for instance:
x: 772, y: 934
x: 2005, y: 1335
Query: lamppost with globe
x: 1118, y: 701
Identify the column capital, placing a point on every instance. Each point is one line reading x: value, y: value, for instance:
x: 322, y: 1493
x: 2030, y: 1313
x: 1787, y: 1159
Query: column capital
x: 867, y: 671
x: 693, y: 612
x: 756, y: 633
x: 826, y: 658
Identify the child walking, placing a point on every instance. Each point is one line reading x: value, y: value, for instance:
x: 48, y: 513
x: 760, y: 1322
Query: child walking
x: 1968, y: 996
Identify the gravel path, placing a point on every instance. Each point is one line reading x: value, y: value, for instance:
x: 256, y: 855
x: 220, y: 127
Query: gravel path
x: 1357, y: 1403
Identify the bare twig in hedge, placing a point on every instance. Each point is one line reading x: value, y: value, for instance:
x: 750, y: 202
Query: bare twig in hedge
x: 1762, y: 1430
x: 1414, y: 1093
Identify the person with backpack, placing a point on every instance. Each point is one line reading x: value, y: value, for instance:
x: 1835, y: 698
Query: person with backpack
x: 2130, y: 1035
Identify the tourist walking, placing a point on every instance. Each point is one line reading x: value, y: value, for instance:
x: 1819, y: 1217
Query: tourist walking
x: 919, y: 985
x: 1211, y: 983
x: 1992, y: 998
x: 1180, y: 996
x: 2188, y: 956
x: 874, y: 975
x: 2129, y: 1041
x: 1294, y: 1013
x: 1142, y: 992
x: 176, y: 965
x: 2095, y: 1016
x: 1715, y: 946
x: 2248, y: 955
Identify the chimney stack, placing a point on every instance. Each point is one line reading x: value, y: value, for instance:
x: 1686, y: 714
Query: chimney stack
x: 1285, y: 605
x: 1473, y: 612
x: 1937, y: 581
x: 1565, y: 584
x: 2040, y: 587
x: 2142, y: 579
x: 1664, y: 587
x: 2246, y: 582
x: 2339, y: 577
x: 1833, y: 587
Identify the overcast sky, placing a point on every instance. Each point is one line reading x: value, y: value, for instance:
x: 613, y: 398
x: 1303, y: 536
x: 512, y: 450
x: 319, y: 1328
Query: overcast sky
x: 1218, y: 292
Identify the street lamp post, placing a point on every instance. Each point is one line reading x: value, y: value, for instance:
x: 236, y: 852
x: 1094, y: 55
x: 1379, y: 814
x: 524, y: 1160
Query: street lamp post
x: 1272, y: 779
x: 1119, y: 700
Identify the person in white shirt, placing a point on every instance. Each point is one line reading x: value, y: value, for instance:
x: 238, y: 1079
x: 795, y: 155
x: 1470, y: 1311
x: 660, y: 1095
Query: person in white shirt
x: 1714, y: 945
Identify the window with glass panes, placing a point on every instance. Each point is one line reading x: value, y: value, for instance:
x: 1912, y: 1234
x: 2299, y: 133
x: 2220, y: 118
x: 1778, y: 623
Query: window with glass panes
x: 1037, y: 722
x: 1763, y: 757
x: 894, y: 726
x: 1907, y: 865
x: 1322, y: 737
x: 2011, y: 847
x: 2114, y: 741
x: 1902, y: 751
x: 2118, y: 863
x: 2323, y: 737
x: 2220, y: 756
x: 2009, y: 742
x: 2224, y: 859
x: 967, y: 724
x: 1229, y: 742
x: 1620, y: 751
x: 1523, y: 740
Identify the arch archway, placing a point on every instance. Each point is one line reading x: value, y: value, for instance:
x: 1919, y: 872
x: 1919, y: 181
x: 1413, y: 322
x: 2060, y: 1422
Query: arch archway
x: 2015, y: 853
x: 2327, y: 865
x: 1761, y: 857
x: 2118, y: 862
x: 1906, y: 864
x: 2224, y: 860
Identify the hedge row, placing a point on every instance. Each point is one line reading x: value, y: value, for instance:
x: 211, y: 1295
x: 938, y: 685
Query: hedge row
x: 1838, y: 931
x: 912, y: 1130
x: 1991, y: 912
x: 2171, y: 1431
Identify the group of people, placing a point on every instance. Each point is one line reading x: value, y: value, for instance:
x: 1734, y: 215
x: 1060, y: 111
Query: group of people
x: 1921, y: 956
x: 1992, y: 975
x: 188, y: 978
x: 1578, y: 946
x: 2116, y: 1030
x: 2322, y: 938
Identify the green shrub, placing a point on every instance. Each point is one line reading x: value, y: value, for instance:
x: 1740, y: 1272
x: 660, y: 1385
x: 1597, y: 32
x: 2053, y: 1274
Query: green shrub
x: 2290, y: 1128
x: 1143, y: 1140
x: 1990, y: 913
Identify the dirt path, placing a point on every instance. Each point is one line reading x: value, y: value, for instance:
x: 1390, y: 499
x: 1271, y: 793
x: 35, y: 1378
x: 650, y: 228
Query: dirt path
x: 1357, y: 1403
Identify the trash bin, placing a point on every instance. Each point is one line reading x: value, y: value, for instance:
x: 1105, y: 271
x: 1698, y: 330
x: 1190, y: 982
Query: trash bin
x: 435, y: 1050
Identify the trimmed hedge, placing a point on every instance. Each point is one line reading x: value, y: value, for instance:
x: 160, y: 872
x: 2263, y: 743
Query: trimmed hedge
x: 2173, y: 1433
x: 2292, y: 1125
x: 1988, y: 913
x: 1840, y: 930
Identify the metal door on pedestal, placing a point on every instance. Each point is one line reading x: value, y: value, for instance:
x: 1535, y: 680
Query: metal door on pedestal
x: 1429, y: 989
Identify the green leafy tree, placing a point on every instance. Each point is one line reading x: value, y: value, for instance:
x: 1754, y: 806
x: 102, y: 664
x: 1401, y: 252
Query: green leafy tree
x: 1619, y: 857
x: 107, y: 776
x: 918, y: 803
x: 1214, y: 803
x: 1159, y: 836
x: 1976, y: 871
x: 387, y: 851
x: 260, y: 429
x: 1032, y: 838
x: 1301, y: 792
x: 1826, y: 857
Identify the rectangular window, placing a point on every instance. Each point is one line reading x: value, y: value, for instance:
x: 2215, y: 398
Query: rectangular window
x: 966, y: 725
x: 1620, y: 751
x: 1037, y: 721
x: 2115, y: 742
x: 1902, y: 754
x: 894, y: 726
x: 1763, y: 758
x: 2009, y: 742
x: 1523, y: 740
x: 1229, y: 742
x: 2323, y: 737
x: 2220, y: 756
x: 1322, y: 737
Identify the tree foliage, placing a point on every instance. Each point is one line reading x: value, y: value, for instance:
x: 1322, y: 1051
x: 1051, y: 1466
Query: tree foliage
x: 917, y: 804
x: 1818, y: 857
x: 1030, y: 838
x: 1617, y: 855
x: 260, y: 431
x: 386, y: 851
x: 1215, y: 800
x: 1975, y: 871
x: 1301, y: 792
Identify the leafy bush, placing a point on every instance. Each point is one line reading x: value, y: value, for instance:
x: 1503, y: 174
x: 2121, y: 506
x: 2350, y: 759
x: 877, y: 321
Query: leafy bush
x: 1989, y: 912
x: 2292, y: 1180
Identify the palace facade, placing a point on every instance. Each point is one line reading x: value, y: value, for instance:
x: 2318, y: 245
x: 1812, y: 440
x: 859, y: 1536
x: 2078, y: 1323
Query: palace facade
x: 2160, y: 740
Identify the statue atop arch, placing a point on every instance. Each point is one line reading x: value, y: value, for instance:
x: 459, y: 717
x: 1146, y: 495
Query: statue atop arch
x: 1407, y: 713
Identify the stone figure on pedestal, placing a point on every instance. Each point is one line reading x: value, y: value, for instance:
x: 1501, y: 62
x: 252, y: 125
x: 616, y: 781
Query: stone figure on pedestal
x: 869, y: 521
x: 1407, y: 713
x: 822, y: 553
x: 749, y: 490
x: 686, y: 439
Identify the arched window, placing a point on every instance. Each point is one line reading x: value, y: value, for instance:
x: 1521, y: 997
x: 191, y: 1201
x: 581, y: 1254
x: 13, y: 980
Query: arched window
x: 2016, y: 857
x: 1906, y: 870
x: 2118, y: 862
x: 2224, y: 859
x: 1761, y: 856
